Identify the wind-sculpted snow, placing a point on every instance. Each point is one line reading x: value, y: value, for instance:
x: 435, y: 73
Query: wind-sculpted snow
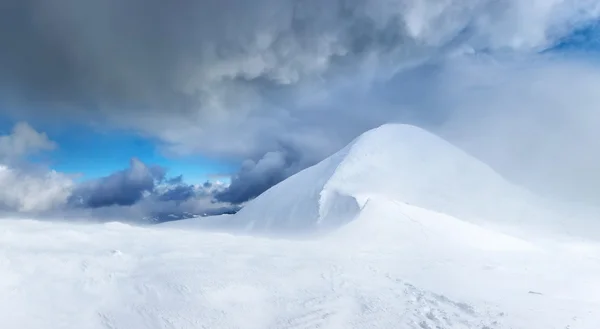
x: 403, y: 163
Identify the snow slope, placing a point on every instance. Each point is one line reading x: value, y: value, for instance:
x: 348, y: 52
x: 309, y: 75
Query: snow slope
x: 409, y: 244
x: 399, y: 162
x: 397, y: 266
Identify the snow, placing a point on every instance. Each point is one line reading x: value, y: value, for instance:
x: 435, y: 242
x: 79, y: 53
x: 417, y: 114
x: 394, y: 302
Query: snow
x: 407, y: 164
x: 408, y: 235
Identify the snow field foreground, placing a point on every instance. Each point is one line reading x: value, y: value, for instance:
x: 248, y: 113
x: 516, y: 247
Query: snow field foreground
x: 117, y: 276
x: 397, y: 230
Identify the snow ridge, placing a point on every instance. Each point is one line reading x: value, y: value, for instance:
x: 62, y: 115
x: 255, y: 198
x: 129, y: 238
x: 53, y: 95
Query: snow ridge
x: 396, y: 161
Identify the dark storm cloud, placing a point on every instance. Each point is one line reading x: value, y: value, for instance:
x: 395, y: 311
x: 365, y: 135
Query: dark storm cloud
x: 255, y: 177
x: 211, y: 76
x: 143, y: 193
x: 178, y: 193
x: 118, y: 57
x: 87, y: 54
x: 237, y: 78
x: 90, y: 55
x: 122, y: 188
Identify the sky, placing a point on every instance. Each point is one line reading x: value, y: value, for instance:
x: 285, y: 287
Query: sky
x: 92, y: 154
x: 125, y: 109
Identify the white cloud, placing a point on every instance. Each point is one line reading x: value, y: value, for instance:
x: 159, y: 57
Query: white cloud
x: 33, y: 192
x: 23, y: 141
x: 24, y: 188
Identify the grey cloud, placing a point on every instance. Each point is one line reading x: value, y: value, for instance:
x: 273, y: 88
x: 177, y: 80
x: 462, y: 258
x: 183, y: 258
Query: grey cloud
x: 255, y: 177
x: 144, y: 194
x: 182, y: 201
x: 23, y: 141
x: 238, y: 79
x: 138, y: 193
x: 517, y: 114
x: 123, y: 188
x: 205, y: 59
x: 178, y: 193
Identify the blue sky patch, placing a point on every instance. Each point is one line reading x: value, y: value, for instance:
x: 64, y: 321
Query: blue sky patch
x: 582, y: 40
x: 94, y: 154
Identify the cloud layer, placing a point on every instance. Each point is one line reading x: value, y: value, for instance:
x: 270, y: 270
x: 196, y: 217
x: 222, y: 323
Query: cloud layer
x: 206, y: 60
x: 280, y: 84
x: 140, y: 193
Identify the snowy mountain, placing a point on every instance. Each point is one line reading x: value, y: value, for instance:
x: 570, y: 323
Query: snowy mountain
x: 413, y: 233
x: 396, y: 162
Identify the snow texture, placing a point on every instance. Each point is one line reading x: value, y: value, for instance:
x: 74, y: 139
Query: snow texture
x: 407, y: 237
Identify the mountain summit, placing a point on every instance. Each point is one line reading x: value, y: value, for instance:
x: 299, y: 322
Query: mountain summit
x: 394, y: 161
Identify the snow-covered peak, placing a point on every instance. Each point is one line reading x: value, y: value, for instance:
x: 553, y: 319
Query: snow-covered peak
x: 412, y: 165
x: 395, y: 161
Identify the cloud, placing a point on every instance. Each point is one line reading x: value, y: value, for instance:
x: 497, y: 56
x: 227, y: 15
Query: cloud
x: 29, y: 188
x: 122, y: 188
x: 140, y: 193
x: 220, y: 62
x: 534, y: 120
x: 168, y: 201
x: 280, y: 84
x: 178, y: 193
x: 31, y: 191
x: 256, y: 177
x: 144, y: 194
x: 23, y: 141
